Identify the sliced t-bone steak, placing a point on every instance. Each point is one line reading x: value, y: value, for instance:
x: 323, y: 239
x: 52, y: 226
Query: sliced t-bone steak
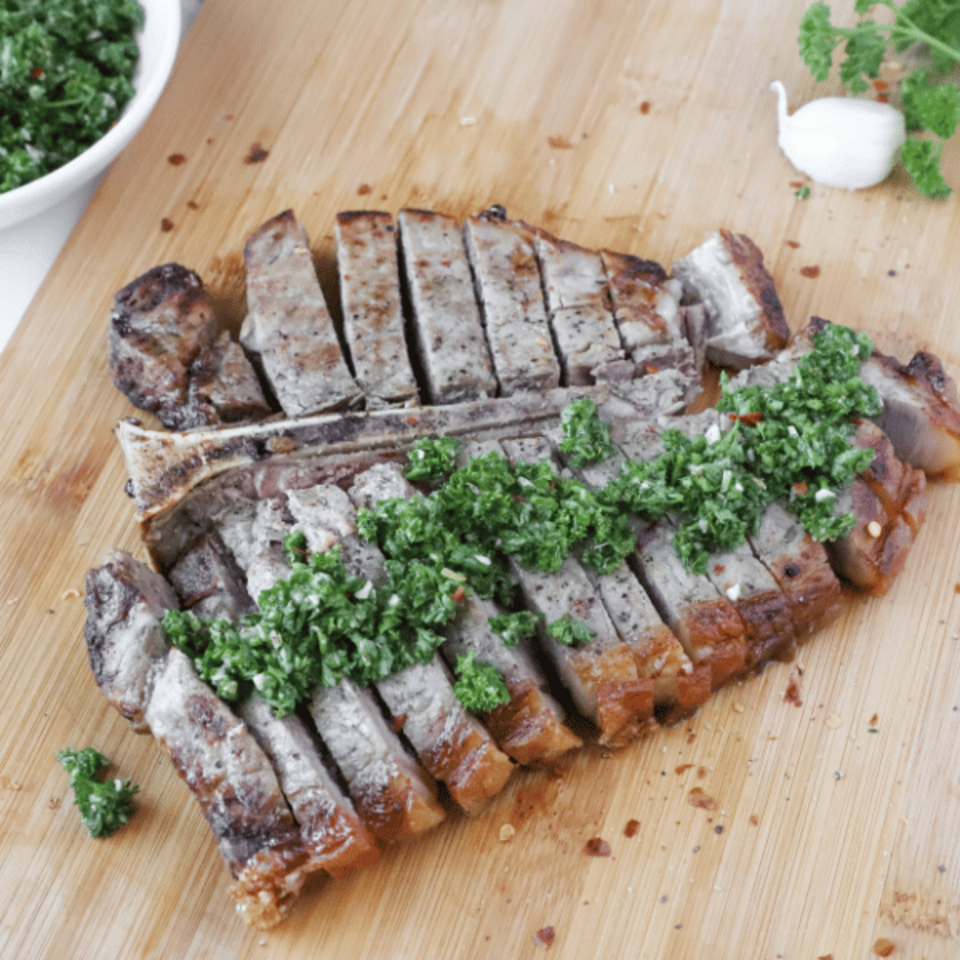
x: 745, y: 321
x: 373, y: 323
x: 288, y: 326
x: 578, y: 303
x: 169, y: 357
x: 453, y: 351
x: 507, y: 281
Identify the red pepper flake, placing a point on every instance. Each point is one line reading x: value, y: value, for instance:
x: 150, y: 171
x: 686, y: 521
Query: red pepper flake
x: 544, y: 937
x: 257, y: 154
x: 630, y: 830
x: 37, y: 73
x: 883, y: 947
x: 753, y: 820
x: 459, y: 594
x: 718, y: 568
x: 747, y: 419
x: 399, y: 721
x: 683, y: 768
x: 826, y: 956
x: 793, y: 244
x: 792, y: 693
x: 801, y: 488
x: 597, y: 847
x: 363, y: 189
x: 193, y: 205
x: 700, y: 799
x: 810, y: 272
x: 166, y: 224
x: 176, y: 159
x: 560, y: 143
x: 645, y: 107
x: 880, y: 85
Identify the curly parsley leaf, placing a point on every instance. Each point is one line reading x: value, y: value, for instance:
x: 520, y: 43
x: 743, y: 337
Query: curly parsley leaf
x: 105, y: 805
x: 570, y: 631
x: 511, y: 628
x: 585, y: 436
x: 432, y: 458
x: 479, y: 686
x: 930, y: 101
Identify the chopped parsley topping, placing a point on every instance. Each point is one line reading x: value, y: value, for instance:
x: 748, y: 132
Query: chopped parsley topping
x: 431, y: 459
x: 511, y: 628
x: 570, y: 631
x: 66, y: 73
x: 105, y: 805
x: 790, y: 442
x: 585, y: 436
x: 480, y: 686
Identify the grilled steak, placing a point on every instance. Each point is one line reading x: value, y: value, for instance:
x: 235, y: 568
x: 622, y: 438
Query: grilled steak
x: 744, y: 317
x: 578, y: 301
x: 507, y: 281
x: 373, y: 323
x: 237, y: 789
x: 169, y: 358
x: 288, y: 326
x: 449, y: 332
x: 216, y: 504
x: 125, y: 603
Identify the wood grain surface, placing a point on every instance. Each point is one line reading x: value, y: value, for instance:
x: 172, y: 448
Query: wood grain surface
x: 639, y: 126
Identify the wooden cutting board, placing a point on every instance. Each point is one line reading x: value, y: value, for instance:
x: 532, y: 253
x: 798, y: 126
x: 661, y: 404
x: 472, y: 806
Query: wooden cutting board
x: 833, y: 823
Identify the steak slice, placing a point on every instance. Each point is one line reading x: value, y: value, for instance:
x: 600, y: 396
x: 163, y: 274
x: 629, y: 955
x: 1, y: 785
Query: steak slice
x: 578, y: 303
x: 744, y: 317
x: 601, y: 674
x: 332, y: 833
x: 394, y: 796
x: 209, y: 582
x: 288, y: 326
x: 802, y: 568
x: 169, y: 358
x: 507, y: 281
x: 530, y: 727
x: 451, y: 744
x: 125, y: 603
x: 373, y: 323
x: 233, y: 782
x: 678, y: 688
x: 453, y: 351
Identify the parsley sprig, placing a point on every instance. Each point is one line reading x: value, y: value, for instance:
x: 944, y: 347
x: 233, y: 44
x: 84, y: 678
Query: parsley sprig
x: 104, y: 805
x: 931, y: 103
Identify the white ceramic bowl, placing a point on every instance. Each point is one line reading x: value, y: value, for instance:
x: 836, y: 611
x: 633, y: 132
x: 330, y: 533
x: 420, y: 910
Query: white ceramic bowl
x: 158, y: 44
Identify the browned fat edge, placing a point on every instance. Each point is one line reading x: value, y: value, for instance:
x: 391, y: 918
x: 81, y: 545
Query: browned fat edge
x: 275, y: 226
x: 394, y: 813
x: 631, y: 267
x: 749, y: 260
x: 351, y: 216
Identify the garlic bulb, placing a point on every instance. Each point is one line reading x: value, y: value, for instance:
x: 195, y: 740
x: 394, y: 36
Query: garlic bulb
x: 841, y: 141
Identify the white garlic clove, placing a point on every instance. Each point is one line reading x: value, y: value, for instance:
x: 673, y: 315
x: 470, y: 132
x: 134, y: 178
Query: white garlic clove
x: 841, y: 141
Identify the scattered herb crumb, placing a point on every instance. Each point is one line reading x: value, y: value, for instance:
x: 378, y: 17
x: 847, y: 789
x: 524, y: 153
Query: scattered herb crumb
x: 811, y: 272
x: 630, y: 830
x: 802, y: 192
x: 176, y: 159
x: 166, y: 224
x: 105, y: 805
x: 883, y: 947
x: 560, y: 143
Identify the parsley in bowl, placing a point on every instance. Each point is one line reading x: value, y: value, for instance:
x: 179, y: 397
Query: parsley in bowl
x: 77, y: 80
